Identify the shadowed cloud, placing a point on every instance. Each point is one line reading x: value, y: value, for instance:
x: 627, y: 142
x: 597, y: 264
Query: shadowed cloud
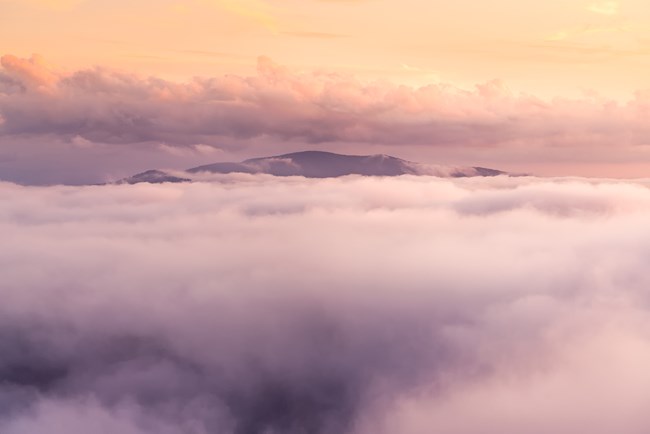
x: 256, y: 304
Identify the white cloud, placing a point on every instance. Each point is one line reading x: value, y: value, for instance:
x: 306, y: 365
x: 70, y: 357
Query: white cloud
x: 361, y: 305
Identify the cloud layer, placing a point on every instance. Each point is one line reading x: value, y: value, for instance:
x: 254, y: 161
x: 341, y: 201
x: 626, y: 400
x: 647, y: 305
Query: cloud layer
x: 279, y: 108
x: 252, y: 304
x: 109, y: 106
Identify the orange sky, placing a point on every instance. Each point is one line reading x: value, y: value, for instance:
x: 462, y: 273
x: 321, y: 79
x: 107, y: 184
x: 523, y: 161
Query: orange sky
x: 550, y: 47
x: 553, y: 87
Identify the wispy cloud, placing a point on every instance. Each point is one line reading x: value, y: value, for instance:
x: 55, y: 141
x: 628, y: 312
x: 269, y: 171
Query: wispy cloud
x: 257, y: 11
x: 622, y: 28
x: 316, y: 35
x: 50, y: 4
x: 605, y: 8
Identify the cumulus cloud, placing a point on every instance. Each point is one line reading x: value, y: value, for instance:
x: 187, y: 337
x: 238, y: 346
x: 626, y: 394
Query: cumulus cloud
x: 254, y: 304
x: 279, y: 105
x: 33, y: 74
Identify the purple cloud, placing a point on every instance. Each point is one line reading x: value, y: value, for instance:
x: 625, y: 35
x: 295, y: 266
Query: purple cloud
x: 252, y: 304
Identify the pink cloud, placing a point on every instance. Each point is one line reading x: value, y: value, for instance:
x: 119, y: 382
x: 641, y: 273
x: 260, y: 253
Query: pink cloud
x: 310, y: 107
x: 280, y: 109
x: 32, y: 74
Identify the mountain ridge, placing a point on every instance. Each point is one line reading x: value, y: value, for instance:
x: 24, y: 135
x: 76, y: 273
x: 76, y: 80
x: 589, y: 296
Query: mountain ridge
x: 318, y: 164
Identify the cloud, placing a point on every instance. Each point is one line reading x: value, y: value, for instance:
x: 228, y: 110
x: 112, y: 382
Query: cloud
x: 50, y: 4
x: 317, y: 35
x: 254, y: 304
x: 32, y: 74
x: 279, y: 108
x: 605, y: 8
x: 257, y: 11
x: 106, y: 105
x: 589, y: 30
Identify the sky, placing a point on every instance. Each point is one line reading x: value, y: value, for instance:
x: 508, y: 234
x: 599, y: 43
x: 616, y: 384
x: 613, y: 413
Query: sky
x: 544, y: 47
x: 550, y: 88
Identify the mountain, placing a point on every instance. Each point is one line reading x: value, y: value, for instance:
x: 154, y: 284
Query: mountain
x: 319, y: 164
x: 153, y: 177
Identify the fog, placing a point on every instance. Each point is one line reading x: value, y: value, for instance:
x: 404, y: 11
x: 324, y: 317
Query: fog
x: 252, y: 304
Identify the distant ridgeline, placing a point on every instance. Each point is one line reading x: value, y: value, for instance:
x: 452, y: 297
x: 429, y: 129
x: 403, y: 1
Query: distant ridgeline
x: 317, y: 164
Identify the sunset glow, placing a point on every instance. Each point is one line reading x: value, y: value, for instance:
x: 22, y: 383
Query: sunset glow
x: 324, y: 217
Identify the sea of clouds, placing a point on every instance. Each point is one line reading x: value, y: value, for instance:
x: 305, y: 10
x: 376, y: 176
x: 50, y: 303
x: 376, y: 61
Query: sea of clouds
x: 252, y: 304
